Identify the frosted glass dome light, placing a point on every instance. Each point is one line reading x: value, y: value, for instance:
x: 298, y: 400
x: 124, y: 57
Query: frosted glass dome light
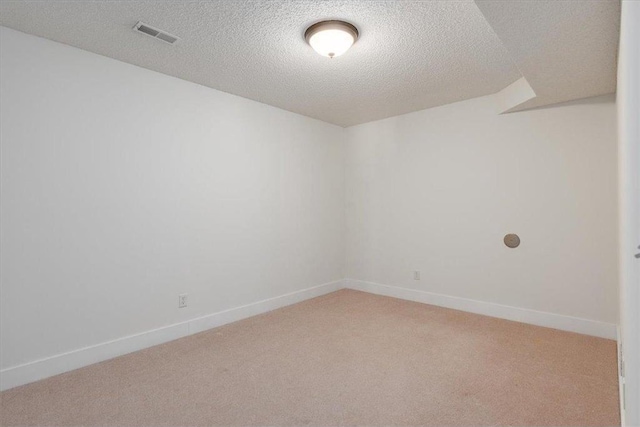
x: 331, y: 38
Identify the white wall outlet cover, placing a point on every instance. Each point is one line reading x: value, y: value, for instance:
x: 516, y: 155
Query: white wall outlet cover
x: 182, y: 300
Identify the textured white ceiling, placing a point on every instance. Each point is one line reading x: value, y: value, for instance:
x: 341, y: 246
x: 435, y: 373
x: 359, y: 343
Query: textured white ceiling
x: 566, y: 49
x: 411, y: 55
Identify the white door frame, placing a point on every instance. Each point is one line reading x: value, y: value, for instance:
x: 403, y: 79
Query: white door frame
x: 628, y: 102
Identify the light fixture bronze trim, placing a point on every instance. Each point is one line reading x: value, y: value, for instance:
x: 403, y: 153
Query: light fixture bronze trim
x: 331, y: 25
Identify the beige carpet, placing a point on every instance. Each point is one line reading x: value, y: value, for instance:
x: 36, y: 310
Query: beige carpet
x: 347, y: 358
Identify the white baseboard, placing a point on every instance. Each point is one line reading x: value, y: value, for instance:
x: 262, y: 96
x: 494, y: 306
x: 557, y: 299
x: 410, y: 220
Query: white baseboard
x: 223, y: 317
x: 60, y: 363
x: 539, y: 318
x: 54, y: 365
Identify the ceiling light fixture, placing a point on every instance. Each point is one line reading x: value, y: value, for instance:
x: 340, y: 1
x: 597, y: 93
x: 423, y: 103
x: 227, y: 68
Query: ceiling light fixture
x: 331, y: 38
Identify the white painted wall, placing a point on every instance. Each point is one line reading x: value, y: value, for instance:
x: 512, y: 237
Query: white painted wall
x: 437, y: 190
x: 628, y: 101
x: 122, y: 188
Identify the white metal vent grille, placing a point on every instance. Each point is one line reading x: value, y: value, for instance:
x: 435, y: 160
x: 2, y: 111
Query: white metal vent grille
x: 148, y: 30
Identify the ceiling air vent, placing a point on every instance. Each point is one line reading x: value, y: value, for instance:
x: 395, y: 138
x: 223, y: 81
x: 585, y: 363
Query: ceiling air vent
x: 141, y: 27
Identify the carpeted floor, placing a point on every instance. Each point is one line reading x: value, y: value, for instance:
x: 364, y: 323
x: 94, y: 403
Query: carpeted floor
x: 347, y: 358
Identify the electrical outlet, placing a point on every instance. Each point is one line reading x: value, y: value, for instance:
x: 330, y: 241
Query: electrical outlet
x: 416, y: 275
x: 182, y: 300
